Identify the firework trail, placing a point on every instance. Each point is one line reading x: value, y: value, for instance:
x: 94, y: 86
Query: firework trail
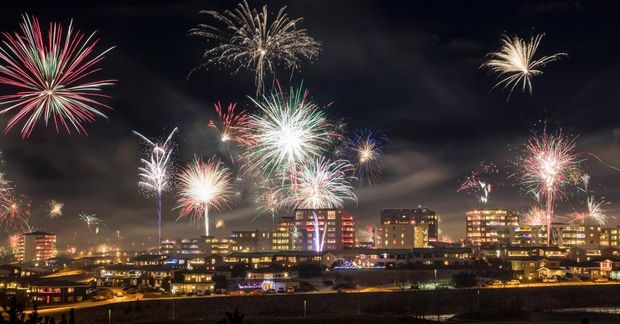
x: 545, y: 166
x: 91, y: 221
x: 48, y: 74
x: 155, y: 171
x: 514, y: 62
x: 248, y: 40
x: 54, y: 208
x: 288, y: 130
x: 321, y: 184
x: 596, y: 212
x: 203, y: 186
x: 365, y: 151
x: 479, y: 181
x: 29, y: 227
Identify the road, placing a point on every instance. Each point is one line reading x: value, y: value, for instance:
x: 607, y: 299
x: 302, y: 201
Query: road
x: 138, y: 297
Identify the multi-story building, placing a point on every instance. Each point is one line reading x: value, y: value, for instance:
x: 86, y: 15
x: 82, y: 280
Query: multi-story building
x: 420, y: 215
x: 182, y: 246
x: 217, y: 245
x: 576, y: 234
x: 609, y: 236
x: 528, y: 235
x: 336, y: 228
x: 251, y: 241
x: 295, y: 233
x: 35, y: 247
x: 401, y: 236
x: 490, y: 227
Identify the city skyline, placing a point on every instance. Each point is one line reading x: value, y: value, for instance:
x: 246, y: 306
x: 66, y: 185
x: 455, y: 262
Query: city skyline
x: 441, y: 121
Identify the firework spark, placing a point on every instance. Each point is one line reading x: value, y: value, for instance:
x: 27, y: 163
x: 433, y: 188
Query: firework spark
x: 54, y: 208
x: 155, y: 171
x: 248, y: 40
x: 596, y: 212
x: 289, y: 129
x: 366, y: 152
x: 514, y: 62
x: 204, y: 186
x: 231, y: 125
x: 49, y: 77
x: 478, y: 182
x: 545, y: 166
x: 220, y: 223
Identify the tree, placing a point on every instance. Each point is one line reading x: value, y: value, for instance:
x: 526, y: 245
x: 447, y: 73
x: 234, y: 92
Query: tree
x: 220, y: 282
x: 310, y: 270
x: 464, y: 279
x: 233, y: 318
x: 238, y: 270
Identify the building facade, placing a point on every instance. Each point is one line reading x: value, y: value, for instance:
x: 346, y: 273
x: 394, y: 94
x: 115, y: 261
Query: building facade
x: 490, y: 226
x: 335, y: 228
x: 36, y: 247
x: 401, y: 236
x: 419, y: 216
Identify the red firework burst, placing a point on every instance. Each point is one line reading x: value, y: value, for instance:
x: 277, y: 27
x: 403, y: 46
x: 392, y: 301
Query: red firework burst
x: 232, y: 125
x: 48, y: 75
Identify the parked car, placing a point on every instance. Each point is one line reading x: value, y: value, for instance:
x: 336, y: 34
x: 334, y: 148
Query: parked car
x: 550, y: 280
x: 601, y: 280
x: 257, y: 292
x: 513, y: 282
x: 270, y: 292
x: 221, y: 291
x: 290, y: 290
x: 496, y: 283
x: 200, y: 293
x: 281, y: 290
x: 238, y: 293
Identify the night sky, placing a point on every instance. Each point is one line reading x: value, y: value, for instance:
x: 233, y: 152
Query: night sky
x: 410, y: 70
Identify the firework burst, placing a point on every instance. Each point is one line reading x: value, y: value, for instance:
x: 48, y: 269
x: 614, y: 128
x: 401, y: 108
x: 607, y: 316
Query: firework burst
x: 91, y: 221
x: 514, y: 62
x: 596, y: 212
x: 204, y: 186
x: 322, y: 184
x: 536, y: 216
x: 365, y: 150
x: 54, y: 208
x: 269, y: 202
x: 231, y: 125
x: 479, y: 181
x: 545, y: 166
x: 15, y: 212
x: 48, y: 74
x: 288, y: 130
x: 247, y: 39
x: 155, y: 171
x: 13, y: 242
